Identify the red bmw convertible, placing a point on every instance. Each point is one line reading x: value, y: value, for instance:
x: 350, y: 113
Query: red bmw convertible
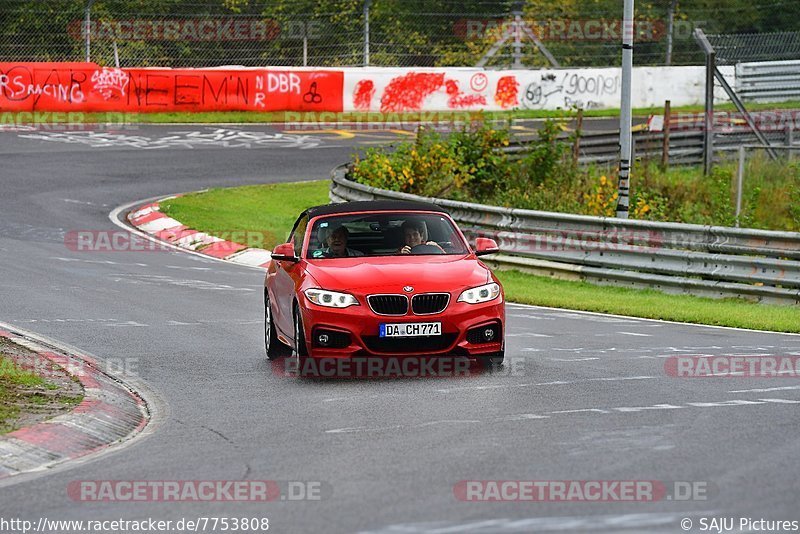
x: 382, y: 278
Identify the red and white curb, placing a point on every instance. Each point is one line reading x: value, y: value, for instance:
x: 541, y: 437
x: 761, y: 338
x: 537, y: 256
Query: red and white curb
x: 149, y: 219
x: 111, y: 412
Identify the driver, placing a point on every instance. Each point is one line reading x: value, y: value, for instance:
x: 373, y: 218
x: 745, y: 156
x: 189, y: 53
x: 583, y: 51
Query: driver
x: 415, y: 233
x: 337, y: 244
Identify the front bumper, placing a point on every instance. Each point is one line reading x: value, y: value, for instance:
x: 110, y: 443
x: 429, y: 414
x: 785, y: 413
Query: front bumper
x: 354, y: 331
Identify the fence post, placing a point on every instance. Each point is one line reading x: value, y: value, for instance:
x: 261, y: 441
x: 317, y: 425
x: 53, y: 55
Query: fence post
x: 667, y: 126
x: 576, y: 148
x: 116, y: 53
x: 366, y: 32
x: 711, y: 67
x: 305, y: 43
x: 87, y: 28
x: 740, y: 182
x: 625, y: 133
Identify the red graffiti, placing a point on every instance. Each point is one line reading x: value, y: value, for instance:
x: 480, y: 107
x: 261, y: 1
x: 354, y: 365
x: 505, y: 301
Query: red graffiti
x: 86, y: 87
x: 506, y: 94
x: 408, y: 93
x: 362, y: 97
x: 459, y: 100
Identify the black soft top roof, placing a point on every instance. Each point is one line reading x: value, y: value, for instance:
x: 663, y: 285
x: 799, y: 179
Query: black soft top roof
x: 373, y: 205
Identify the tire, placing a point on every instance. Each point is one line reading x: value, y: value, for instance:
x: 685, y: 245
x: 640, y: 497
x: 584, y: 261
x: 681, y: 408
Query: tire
x: 274, y: 347
x: 491, y: 361
x: 300, y: 351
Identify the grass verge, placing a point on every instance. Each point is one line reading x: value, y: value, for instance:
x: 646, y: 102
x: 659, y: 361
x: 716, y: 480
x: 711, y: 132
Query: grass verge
x: 25, y: 396
x: 265, y: 212
x: 273, y: 209
x: 325, y: 118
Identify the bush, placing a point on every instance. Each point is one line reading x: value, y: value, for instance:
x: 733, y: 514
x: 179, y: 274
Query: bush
x: 469, y: 165
x: 465, y: 165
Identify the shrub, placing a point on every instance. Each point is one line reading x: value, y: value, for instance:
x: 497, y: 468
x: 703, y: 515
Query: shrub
x: 470, y: 165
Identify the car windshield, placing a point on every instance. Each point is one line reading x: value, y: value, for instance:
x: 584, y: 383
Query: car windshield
x: 384, y: 234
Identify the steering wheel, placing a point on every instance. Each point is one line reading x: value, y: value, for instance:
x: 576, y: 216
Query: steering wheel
x: 424, y: 248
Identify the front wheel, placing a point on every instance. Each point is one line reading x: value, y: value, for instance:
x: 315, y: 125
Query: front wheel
x: 300, y: 350
x: 275, y: 349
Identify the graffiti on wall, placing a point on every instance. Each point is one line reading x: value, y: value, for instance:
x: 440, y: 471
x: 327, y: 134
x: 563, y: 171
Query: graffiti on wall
x: 569, y: 90
x: 396, y: 90
x: 413, y: 90
x: 89, y: 87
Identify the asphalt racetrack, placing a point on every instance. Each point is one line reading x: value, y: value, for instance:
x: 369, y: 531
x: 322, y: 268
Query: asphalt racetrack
x: 583, y: 397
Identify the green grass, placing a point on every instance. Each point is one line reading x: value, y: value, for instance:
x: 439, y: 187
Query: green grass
x: 648, y: 303
x: 273, y: 209
x: 12, y: 374
x: 244, y: 117
x: 23, y: 392
x: 267, y: 212
x: 12, y: 380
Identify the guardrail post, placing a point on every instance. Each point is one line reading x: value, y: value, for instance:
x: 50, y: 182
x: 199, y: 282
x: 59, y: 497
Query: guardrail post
x: 789, y: 133
x: 667, y: 126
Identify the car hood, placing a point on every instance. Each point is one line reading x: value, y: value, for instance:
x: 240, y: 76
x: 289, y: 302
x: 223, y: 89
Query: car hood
x: 390, y: 274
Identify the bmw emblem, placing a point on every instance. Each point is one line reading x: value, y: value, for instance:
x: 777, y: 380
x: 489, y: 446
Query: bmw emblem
x: 408, y: 289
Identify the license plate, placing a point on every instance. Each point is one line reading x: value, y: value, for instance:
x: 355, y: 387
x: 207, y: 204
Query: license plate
x: 410, y: 329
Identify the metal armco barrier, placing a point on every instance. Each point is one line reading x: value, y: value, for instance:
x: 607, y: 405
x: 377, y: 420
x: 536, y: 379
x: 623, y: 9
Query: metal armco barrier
x: 768, y: 81
x: 684, y: 258
x: 685, y: 148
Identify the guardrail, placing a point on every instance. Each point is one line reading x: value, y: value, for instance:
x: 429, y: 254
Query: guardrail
x: 684, y: 258
x: 768, y: 81
x: 685, y: 147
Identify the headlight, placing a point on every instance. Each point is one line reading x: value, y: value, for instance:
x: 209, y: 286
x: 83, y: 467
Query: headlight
x: 480, y: 294
x: 331, y: 299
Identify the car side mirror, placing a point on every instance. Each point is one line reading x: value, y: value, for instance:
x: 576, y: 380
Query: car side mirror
x: 484, y: 246
x: 285, y: 252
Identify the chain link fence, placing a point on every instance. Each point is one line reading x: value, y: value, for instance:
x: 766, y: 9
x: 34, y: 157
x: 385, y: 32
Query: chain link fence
x: 753, y: 72
x: 494, y: 33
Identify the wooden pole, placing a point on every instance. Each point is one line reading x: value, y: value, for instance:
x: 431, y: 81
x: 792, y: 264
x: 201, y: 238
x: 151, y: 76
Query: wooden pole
x: 576, y: 148
x: 667, y: 126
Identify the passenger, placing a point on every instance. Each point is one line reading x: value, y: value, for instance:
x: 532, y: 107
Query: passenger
x: 337, y: 244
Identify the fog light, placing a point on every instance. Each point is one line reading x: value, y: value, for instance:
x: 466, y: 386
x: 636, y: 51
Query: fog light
x: 490, y: 333
x: 330, y: 339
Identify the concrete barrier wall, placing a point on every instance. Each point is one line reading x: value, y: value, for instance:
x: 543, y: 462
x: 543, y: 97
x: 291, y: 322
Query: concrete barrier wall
x: 90, y: 87
x: 394, y: 90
